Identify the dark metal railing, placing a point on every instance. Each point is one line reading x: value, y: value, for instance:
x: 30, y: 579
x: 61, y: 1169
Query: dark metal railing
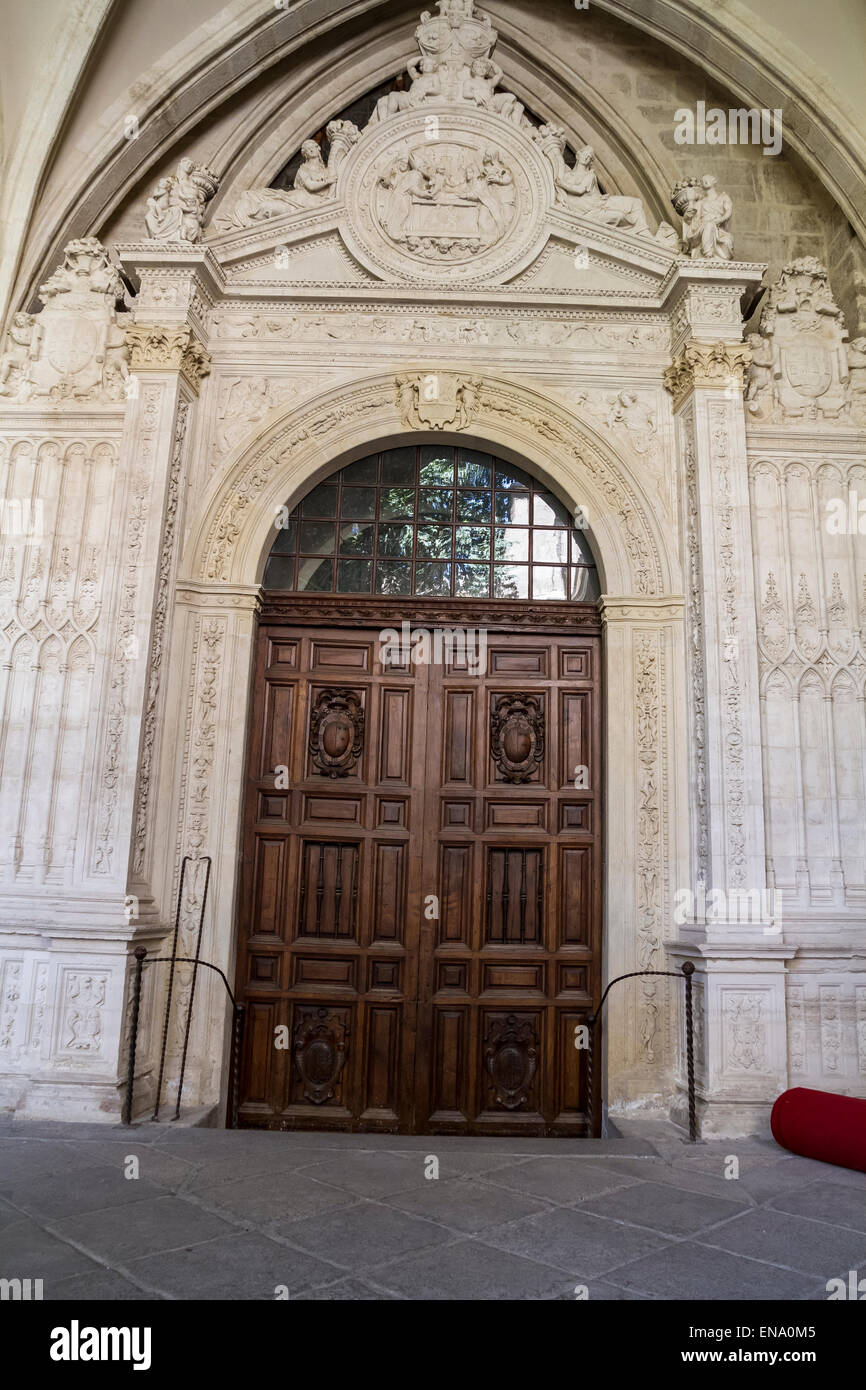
x: 173, y: 960
x: 686, y: 972
x: 238, y: 1014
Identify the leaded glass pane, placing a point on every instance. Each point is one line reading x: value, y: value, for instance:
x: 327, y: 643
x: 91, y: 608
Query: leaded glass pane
x: 433, y: 579
x: 322, y: 501
x: 511, y: 581
x: 356, y: 539
x: 434, y: 542
x: 354, y: 576
x: 472, y: 543
x: 472, y: 581
x: 393, y: 577
x: 455, y: 510
x: 317, y: 537
x: 396, y: 540
x: 358, y: 502
x: 434, y: 504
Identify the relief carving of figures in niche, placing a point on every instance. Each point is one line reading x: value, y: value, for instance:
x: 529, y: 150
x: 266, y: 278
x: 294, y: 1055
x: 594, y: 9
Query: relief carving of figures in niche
x: 444, y: 192
x: 454, y: 191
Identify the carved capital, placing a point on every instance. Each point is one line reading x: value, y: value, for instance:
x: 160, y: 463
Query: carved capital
x: 158, y: 347
x: 711, y: 365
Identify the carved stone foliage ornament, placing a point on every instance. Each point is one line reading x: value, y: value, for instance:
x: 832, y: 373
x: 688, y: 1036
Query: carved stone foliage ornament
x: 74, y: 349
x: 802, y: 364
x: 517, y: 735
x: 705, y: 213
x: 336, y: 732
x: 437, y: 400
x: 707, y: 364
x: 511, y: 1059
x: 154, y: 347
x: 320, y: 1053
x: 177, y: 206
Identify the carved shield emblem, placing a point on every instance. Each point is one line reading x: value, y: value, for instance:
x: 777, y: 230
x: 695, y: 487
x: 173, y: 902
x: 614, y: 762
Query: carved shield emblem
x: 320, y: 1053
x: 517, y: 735
x: 808, y: 369
x: 70, y: 344
x: 511, y: 1057
x: 336, y: 732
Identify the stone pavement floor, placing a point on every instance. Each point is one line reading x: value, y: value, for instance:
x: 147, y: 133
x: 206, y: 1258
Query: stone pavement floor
x: 218, y: 1214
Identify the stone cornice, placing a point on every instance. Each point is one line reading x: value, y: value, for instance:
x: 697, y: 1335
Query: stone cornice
x: 709, y: 365
x: 635, y: 608
x: 194, y: 594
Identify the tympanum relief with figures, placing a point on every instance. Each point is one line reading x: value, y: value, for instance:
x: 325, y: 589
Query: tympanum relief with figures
x: 458, y: 270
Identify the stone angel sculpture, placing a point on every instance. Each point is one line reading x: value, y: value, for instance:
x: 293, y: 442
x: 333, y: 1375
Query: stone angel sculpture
x: 177, y: 206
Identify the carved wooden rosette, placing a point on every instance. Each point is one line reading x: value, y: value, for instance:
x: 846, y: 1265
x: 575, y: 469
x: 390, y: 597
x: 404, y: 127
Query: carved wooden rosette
x: 511, y: 1059
x: 320, y: 1053
x: 336, y: 732
x: 517, y: 735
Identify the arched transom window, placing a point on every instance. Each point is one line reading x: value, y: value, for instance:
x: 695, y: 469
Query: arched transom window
x: 435, y: 520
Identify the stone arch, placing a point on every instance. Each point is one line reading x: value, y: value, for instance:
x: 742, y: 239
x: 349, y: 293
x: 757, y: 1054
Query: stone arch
x: 298, y: 448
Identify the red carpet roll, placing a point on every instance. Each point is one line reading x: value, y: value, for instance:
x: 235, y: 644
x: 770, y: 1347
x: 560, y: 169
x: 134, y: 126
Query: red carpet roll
x: 820, y: 1125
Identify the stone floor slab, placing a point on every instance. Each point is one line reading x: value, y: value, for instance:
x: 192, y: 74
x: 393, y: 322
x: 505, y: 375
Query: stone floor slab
x: 371, y: 1174
x: 121, y: 1234
x: 278, y: 1199
x: 467, y: 1206
x: 834, y: 1202
x: 564, y: 1181
x: 663, y: 1208
x: 365, y: 1235
x: 573, y: 1241
x: 812, y: 1247
x: 105, y: 1286
x: 82, y: 1190
x: 29, y: 1252
x: 467, y: 1271
x: 689, y: 1271
x: 243, y: 1267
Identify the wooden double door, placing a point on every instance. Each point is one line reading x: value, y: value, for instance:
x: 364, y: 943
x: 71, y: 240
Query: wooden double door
x: 420, y: 905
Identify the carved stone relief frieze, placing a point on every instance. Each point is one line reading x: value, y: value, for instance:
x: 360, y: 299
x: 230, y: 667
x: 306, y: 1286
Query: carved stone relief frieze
x: 504, y: 329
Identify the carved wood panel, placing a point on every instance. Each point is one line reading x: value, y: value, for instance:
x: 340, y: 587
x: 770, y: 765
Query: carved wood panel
x: 420, y: 895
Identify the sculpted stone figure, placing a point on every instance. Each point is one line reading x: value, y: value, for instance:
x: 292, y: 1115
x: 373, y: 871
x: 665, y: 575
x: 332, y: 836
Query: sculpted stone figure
x: 455, y: 66
x: 760, y: 369
x: 857, y: 370
x: 22, y: 345
x: 705, y: 213
x: 578, y: 189
x: 313, y: 185
x: 177, y: 206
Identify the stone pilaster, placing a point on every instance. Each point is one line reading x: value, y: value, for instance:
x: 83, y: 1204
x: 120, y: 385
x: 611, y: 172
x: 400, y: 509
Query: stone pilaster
x: 725, y: 915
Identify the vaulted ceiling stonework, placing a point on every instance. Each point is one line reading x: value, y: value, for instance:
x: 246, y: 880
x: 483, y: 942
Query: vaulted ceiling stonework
x: 422, y: 307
